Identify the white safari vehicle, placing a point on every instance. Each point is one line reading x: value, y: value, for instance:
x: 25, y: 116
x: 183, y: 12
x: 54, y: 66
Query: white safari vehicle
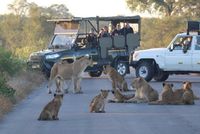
x: 182, y: 56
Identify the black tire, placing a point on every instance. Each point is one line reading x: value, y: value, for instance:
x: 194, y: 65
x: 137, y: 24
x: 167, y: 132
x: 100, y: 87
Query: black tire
x: 161, y: 76
x: 95, y: 74
x: 145, y: 70
x: 121, y: 67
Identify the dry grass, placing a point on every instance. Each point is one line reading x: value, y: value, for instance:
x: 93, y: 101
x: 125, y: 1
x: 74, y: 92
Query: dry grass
x: 5, y: 104
x: 23, y: 83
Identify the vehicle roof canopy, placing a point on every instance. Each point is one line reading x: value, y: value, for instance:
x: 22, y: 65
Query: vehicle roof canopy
x: 64, y: 24
x: 131, y: 19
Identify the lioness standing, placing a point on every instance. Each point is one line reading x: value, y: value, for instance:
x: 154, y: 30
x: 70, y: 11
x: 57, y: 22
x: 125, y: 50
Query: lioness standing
x: 50, y: 111
x: 117, y: 80
x: 144, y: 92
x: 97, y: 104
x: 71, y: 72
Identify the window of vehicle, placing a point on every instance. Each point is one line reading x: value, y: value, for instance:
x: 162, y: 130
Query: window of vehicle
x: 182, y: 42
x: 65, y: 41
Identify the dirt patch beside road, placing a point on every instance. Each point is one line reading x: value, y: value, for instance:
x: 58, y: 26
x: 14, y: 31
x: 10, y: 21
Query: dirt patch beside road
x: 23, y: 84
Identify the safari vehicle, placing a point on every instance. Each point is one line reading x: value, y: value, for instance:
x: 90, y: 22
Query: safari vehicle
x: 70, y: 41
x: 182, y: 56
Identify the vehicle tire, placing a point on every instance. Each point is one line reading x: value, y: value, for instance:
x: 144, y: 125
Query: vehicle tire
x: 145, y: 70
x: 121, y: 67
x: 161, y: 76
x: 95, y: 74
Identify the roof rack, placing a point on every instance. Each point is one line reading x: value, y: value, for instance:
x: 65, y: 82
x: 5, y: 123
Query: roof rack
x: 193, y: 26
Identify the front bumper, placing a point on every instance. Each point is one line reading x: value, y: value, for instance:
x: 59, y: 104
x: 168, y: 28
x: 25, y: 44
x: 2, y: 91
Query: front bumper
x: 34, y: 65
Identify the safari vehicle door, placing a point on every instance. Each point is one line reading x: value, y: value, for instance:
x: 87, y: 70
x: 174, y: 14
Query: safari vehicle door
x: 176, y: 58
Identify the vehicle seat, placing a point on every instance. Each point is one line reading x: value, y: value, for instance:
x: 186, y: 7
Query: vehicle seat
x: 105, y: 44
x: 119, y: 42
x: 132, y: 40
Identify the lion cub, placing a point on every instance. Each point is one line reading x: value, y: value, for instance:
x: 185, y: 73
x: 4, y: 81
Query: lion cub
x: 185, y: 94
x: 167, y: 95
x: 117, y: 80
x: 119, y: 97
x: 144, y: 92
x: 188, y: 95
x: 97, y: 104
x: 50, y: 111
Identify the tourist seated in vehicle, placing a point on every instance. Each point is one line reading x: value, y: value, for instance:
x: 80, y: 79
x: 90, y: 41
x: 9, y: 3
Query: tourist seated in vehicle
x: 115, y: 30
x: 104, y: 32
x: 186, y: 44
x: 183, y: 43
x: 92, y: 38
x: 126, y: 29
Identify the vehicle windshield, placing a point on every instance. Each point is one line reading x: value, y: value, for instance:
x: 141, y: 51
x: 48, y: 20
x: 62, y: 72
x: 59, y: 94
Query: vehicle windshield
x: 62, y: 41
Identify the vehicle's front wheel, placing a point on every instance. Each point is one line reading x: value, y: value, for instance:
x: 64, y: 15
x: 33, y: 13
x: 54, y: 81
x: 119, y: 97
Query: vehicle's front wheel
x: 145, y: 70
x: 161, y: 76
x: 121, y: 67
x: 95, y: 74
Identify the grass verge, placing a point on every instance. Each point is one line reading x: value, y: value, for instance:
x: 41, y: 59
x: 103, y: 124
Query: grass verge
x: 23, y: 83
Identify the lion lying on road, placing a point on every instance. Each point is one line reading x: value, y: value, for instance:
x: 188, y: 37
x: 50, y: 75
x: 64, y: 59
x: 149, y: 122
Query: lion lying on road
x: 178, y: 97
x: 70, y: 71
x: 119, y: 97
x: 144, y: 92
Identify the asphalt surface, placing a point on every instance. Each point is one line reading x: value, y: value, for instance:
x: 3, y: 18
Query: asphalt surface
x: 119, y: 118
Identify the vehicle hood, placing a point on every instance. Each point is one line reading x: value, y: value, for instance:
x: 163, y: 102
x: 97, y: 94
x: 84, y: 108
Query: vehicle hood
x: 149, y: 53
x: 37, y: 55
x: 152, y: 50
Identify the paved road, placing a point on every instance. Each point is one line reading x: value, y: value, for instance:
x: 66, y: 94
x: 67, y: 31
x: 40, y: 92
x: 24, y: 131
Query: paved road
x: 118, y: 119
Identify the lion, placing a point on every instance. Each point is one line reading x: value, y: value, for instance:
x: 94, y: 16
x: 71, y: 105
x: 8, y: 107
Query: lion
x: 144, y: 92
x: 187, y: 86
x: 119, y: 97
x: 59, y: 84
x: 188, y: 95
x: 50, y: 111
x: 97, y: 104
x: 178, y: 97
x: 71, y: 72
x: 117, y: 80
x: 167, y: 95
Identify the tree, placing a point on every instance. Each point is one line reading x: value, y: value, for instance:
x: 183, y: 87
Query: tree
x: 166, y: 7
x: 56, y: 11
x: 19, y: 7
x: 158, y: 32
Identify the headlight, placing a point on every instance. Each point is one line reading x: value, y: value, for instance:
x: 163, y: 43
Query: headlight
x: 52, y: 56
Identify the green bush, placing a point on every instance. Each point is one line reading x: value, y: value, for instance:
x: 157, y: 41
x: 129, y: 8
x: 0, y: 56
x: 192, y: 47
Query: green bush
x: 8, y: 63
x: 8, y: 67
x: 5, y: 90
